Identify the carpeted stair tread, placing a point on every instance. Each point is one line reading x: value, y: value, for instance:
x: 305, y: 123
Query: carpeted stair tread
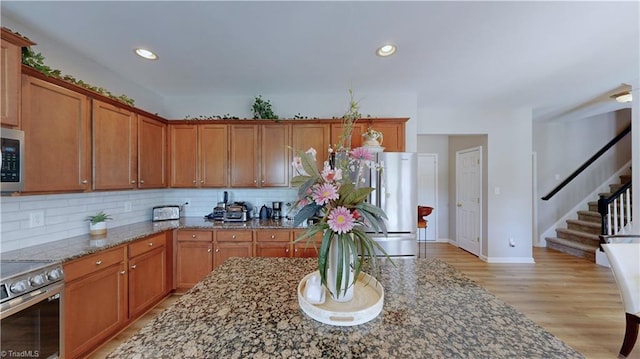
x: 590, y: 216
x: 573, y: 248
x: 572, y: 244
x: 578, y: 233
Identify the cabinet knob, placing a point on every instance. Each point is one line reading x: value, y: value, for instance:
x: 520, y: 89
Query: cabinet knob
x: 209, y: 250
x: 150, y: 244
x: 85, y: 181
x: 98, y: 262
x: 193, y: 236
x: 141, y: 181
x: 194, y: 182
x: 217, y: 250
x: 273, y: 236
x: 234, y: 236
x: 202, y: 181
x: 122, y: 272
x: 286, y: 250
x: 262, y: 181
x: 133, y: 181
x: 255, y: 181
x: 133, y: 266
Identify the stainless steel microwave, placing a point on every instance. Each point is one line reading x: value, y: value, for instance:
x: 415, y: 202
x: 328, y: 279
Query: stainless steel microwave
x: 12, y: 174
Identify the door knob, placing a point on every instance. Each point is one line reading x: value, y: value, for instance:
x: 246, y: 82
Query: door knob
x: 459, y: 204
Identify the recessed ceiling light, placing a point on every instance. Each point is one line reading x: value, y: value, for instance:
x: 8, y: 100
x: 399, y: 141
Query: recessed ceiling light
x: 624, y: 97
x: 386, y: 50
x: 147, y: 54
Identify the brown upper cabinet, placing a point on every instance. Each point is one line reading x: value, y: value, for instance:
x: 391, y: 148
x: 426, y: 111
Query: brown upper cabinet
x: 356, y: 135
x: 56, y: 124
x: 198, y: 155
x: 259, y: 155
x: 115, y: 135
x: 152, y: 153
x: 10, y: 67
x: 311, y: 135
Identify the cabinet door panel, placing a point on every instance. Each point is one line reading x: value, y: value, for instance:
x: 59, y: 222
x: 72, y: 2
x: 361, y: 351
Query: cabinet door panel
x: 147, y: 281
x: 115, y: 147
x: 273, y: 249
x: 226, y: 250
x: 305, y: 136
x: 152, y: 153
x: 183, y: 155
x: 244, y: 155
x: 393, y: 136
x: 10, y: 83
x: 95, y: 307
x: 356, y: 134
x: 57, y: 132
x: 194, y: 262
x: 213, y: 156
x: 274, y: 156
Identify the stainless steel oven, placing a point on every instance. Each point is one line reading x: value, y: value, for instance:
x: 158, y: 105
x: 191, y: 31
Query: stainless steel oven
x: 31, y: 324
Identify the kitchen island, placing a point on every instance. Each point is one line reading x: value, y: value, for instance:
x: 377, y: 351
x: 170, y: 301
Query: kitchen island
x: 248, y: 308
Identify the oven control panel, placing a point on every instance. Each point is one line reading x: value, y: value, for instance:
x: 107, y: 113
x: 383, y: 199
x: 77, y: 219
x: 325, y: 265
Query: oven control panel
x: 28, y: 281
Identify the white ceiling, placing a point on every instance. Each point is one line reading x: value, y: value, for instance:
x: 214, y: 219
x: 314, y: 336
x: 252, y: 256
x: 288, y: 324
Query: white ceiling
x: 550, y: 56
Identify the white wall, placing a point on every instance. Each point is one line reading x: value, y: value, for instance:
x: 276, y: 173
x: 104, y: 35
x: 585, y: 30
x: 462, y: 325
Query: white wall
x: 509, y: 134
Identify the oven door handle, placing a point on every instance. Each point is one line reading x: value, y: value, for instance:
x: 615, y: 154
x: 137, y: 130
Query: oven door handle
x: 25, y: 301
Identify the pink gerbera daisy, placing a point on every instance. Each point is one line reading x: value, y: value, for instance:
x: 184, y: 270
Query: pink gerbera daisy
x: 340, y: 220
x: 324, y: 193
x: 361, y: 153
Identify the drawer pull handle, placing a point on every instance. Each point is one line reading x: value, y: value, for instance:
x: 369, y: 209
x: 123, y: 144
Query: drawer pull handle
x: 133, y: 266
x: 123, y: 272
x: 150, y: 244
x: 98, y: 263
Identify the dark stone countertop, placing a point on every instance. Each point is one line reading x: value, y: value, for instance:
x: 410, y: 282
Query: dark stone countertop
x: 78, y: 246
x: 248, y: 308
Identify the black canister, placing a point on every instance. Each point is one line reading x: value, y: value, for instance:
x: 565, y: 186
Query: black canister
x: 265, y: 212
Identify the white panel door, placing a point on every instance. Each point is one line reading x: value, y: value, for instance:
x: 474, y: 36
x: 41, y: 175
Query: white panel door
x: 468, y: 199
x: 428, y: 193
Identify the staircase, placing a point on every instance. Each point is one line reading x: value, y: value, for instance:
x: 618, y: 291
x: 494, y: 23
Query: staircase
x: 580, y: 238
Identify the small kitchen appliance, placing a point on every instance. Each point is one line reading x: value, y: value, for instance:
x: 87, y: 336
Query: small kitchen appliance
x: 12, y: 173
x: 236, y: 212
x: 277, y: 211
x: 165, y: 213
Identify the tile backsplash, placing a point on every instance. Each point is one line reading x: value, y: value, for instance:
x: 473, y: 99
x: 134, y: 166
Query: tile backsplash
x: 31, y: 220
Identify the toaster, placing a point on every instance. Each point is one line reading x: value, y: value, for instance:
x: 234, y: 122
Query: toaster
x: 165, y: 213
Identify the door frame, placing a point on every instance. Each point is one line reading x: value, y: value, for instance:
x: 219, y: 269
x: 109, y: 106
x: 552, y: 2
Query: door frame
x: 433, y: 222
x: 478, y: 150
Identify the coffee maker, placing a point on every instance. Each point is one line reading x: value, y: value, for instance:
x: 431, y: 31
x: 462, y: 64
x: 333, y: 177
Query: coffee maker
x: 277, y: 210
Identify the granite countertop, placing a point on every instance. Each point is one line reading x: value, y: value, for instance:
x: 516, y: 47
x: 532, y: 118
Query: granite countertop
x: 248, y: 308
x: 76, y: 247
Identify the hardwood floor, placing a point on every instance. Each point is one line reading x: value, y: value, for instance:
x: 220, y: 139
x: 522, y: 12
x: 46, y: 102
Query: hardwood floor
x: 574, y: 299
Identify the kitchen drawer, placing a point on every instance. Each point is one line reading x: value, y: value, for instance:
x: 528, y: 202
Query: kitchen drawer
x: 93, y: 263
x: 191, y: 236
x: 147, y: 244
x: 273, y: 235
x: 223, y: 235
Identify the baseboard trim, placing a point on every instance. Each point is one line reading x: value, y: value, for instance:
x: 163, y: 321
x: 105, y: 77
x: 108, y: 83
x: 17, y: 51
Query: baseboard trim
x: 520, y: 260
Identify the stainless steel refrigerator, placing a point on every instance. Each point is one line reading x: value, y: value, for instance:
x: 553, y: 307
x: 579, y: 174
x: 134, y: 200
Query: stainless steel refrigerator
x: 396, y: 193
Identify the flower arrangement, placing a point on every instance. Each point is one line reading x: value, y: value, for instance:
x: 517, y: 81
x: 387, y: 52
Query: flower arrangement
x: 337, y: 197
x: 348, y: 120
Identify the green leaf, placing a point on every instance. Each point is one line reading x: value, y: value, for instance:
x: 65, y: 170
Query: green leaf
x: 298, y: 181
x: 305, y: 213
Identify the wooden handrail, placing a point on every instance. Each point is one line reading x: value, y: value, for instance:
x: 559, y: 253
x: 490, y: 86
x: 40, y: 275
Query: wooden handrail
x: 588, y: 163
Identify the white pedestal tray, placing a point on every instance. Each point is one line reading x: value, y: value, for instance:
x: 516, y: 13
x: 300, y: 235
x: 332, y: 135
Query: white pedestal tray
x: 366, y: 303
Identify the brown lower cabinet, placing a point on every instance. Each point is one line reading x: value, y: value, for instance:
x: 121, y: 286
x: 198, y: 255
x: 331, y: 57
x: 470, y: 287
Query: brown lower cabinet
x: 194, y: 257
x: 107, y: 290
x: 95, y: 300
